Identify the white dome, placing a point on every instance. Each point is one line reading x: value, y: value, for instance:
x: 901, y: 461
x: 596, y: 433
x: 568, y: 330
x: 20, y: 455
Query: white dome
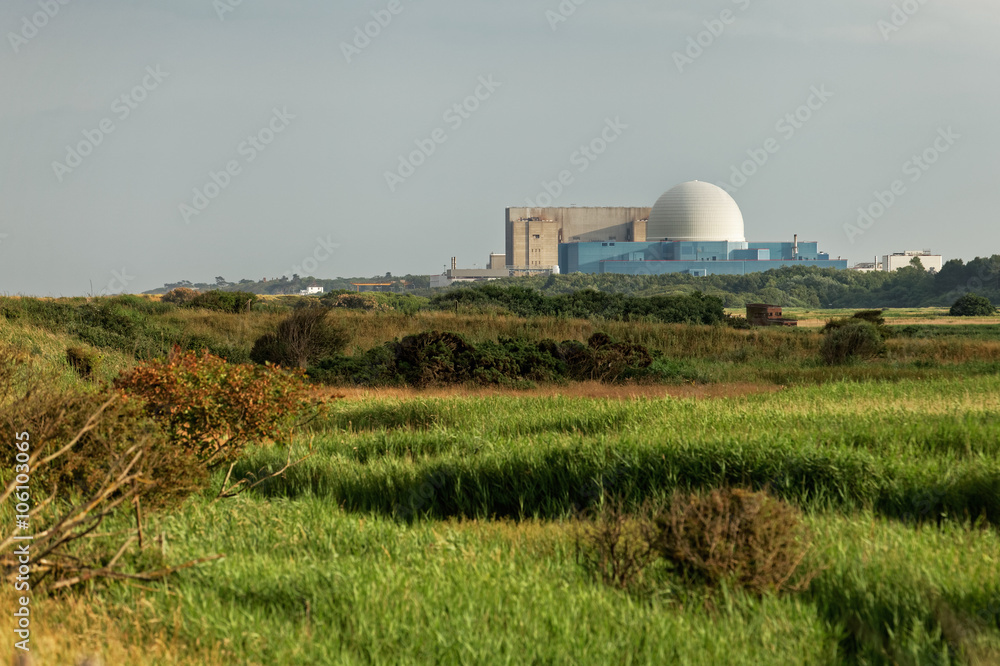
x: 696, y: 211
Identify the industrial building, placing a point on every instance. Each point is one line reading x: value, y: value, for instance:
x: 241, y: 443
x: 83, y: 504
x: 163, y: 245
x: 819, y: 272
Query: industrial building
x: 893, y: 262
x: 495, y: 271
x: 897, y: 260
x: 695, y: 228
x: 535, y: 234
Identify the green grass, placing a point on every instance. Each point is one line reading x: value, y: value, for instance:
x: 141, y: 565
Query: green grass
x: 846, y: 447
x: 305, y: 582
x: 381, y: 592
x: 427, y: 530
x: 442, y: 531
x: 129, y: 328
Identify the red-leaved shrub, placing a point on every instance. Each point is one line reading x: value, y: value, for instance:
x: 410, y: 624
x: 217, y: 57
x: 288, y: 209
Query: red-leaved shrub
x: 212, y: 408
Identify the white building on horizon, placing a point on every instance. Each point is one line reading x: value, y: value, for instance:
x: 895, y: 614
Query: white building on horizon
x: 897, y: 260
x: 312, y: 290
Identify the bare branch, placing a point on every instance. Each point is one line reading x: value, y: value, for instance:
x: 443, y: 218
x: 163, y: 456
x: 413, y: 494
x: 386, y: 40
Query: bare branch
x: 242, y: 486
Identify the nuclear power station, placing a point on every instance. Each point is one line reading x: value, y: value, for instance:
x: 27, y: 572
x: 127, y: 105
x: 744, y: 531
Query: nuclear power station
x: 695, y: 228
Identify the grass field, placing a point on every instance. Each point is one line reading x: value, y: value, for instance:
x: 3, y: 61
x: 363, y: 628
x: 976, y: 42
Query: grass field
x: 441, y: 526
x: 441, y: 530
x: 817, y: 317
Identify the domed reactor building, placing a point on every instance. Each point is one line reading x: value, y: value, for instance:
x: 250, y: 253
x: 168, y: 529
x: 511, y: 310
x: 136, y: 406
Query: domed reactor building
x: 695, y: 228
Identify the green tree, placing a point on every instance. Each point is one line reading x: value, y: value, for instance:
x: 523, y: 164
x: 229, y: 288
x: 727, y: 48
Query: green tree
x: 972, y: 305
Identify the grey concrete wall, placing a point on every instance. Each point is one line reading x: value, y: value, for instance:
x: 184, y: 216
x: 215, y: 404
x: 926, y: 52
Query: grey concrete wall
x: 571, y: 225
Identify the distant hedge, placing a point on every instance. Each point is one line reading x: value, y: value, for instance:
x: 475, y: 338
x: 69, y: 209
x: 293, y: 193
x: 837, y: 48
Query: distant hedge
x: 440, y: 358
x: 696, y: 308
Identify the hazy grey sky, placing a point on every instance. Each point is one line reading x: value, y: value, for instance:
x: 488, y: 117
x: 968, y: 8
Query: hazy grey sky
x: 888, y: 81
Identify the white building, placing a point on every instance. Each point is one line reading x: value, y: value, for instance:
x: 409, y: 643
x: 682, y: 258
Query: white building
x: 930, y: 262
x: 312, y: 290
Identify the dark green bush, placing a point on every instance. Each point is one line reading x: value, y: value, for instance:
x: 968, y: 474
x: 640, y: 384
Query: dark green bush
x: 123, y: 323
x: 672, y: 370
x: 436, y: 358
x: 302, y: 338
x: 48, y: 314
x: 376, y: 367
x: 142, y: 304
x: 737, y: 322
x: 871, y: 316
x: 603, y: 359
x: 233, y: 302
x: 855, y: 340
x: 972, y: 305
x: 113, y: 317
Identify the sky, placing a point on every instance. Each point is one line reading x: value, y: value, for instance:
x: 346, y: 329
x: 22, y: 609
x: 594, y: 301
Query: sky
x: 153, y: 141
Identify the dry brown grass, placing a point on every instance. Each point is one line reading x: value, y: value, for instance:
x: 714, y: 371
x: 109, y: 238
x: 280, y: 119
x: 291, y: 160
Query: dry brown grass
x: 236, y: 329
x: 751, y: 538
x: 677, y: 340
x: 70, y: 630
x: 819, y: 322
x: 539, y: 537
x: 946, y: 351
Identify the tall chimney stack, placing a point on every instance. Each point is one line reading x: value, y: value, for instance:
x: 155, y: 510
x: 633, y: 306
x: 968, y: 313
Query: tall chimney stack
x: 454, y: 263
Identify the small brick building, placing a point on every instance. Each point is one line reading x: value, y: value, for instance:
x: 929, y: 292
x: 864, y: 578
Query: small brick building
x: 760, y: 314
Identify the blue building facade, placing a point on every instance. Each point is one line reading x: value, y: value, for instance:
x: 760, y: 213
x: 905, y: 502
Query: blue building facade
x: 691, y: 257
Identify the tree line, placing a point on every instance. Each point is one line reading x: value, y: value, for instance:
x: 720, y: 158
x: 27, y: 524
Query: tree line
x: 801, y: 286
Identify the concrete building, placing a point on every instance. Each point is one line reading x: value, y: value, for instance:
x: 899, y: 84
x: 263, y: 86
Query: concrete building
x: 456, y: 274
x: 534, y: 234
x: 867, y: 267
x: 930, y: 262
x: 695, y: 228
